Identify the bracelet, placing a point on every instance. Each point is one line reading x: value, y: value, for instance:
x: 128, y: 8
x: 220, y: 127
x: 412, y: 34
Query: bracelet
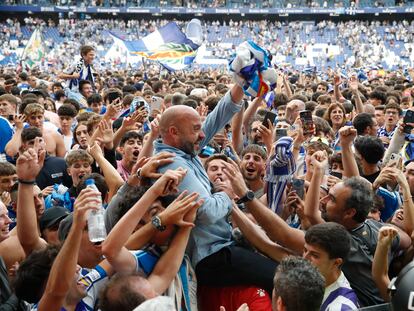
x: 26, y: 182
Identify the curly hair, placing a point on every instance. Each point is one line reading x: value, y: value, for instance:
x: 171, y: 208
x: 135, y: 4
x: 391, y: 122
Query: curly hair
x: 361, y: 198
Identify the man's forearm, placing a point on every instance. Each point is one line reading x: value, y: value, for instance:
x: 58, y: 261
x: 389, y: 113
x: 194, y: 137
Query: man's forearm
x: 63, y: 271
x: 349, y: 162
x: 168, y: 265
x: 12, y: 147
x: 276, y: 228
x: 237, y: 94
x: 312, y: 198
x: 27, y: 230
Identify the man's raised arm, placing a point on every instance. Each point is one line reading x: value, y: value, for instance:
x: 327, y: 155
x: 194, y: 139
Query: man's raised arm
x: 28, y: 166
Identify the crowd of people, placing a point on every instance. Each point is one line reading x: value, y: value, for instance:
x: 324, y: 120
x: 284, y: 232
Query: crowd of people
x: 359, y: 43
x: 211, y: 3
x: 213, y: 200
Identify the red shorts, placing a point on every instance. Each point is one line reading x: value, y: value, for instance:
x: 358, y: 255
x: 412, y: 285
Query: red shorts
x: 211, y: 298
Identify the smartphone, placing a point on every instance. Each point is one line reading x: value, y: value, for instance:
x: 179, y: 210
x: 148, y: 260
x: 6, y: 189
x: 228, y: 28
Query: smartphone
x: 394, y: 160
x: 279, y: 133
x: 10, y: 117
x: 269, y: 116
x: 408, y: 118
x: 140, y: 104
x: 112, y: 96
x: 156, y: 103
x: 299, y: 186
x: 307, y: 121
x: 336, y: 174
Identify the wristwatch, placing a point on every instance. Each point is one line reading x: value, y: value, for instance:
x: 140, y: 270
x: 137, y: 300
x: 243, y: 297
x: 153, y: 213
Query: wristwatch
x: 249, y: 196
x: 156, y: 222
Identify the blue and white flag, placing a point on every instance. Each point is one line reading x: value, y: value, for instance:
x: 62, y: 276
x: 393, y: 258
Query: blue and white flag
x: 168, y: 45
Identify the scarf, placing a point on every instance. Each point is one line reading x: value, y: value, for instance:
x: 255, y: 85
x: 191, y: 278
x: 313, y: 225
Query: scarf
x: 279, y: 171
x: 85, y: 73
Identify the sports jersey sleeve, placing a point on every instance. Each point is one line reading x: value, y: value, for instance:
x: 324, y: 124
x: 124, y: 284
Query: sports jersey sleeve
x: 94, y: 280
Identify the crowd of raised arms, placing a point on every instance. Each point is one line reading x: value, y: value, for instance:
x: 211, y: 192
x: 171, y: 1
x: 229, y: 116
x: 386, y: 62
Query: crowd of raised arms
x: 211, y: 199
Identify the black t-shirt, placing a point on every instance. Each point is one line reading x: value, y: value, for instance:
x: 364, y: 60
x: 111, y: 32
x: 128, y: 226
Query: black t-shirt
x: 371, y: 178
x: 357, y: 267
x: 53, y: 172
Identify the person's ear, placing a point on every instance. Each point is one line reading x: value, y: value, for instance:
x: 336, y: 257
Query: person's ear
x: 173, y: 130
x: 338, y: 262
x: 280, y: 306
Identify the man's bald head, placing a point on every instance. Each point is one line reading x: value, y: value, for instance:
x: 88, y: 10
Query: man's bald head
x: 175, y: 116
x: 181, y: 128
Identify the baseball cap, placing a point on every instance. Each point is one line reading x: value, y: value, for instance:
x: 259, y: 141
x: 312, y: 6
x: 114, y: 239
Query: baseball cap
x: 52, y: 216
x: 64, y: 227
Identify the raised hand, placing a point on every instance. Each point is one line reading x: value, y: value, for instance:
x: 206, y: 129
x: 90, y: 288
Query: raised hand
x: 337, y: 79
x: 149, y: 170
x: 113, y: 108
x: 155, y: 127
x: 267, y: 133
x: 168, y: 183
x: 19, y: 121
x: 386, y: 235
x: 30, y: 163
x: 130, y: 123
x: 88, y: 199
x: 353, y: 84
x: 347, y: 135
x: 233, y: 173
x: 106, y: 131
x: 182, y: 211
x: 94, y: 150
x: 319, y: 160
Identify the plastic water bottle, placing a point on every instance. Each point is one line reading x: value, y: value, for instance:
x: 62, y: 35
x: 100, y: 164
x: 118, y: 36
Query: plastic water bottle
x: 96, y: 222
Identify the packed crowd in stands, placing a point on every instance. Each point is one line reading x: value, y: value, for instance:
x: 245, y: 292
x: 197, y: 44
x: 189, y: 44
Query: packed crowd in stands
x: 214, y: 3
x: 131, y: 190
x: 360, y: 43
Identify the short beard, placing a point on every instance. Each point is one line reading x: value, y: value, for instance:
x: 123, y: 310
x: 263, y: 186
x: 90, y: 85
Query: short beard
x: 188, y: 148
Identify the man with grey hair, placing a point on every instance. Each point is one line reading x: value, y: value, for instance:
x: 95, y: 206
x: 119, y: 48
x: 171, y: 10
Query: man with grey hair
x: 178, y: 99
x: 297, y: 275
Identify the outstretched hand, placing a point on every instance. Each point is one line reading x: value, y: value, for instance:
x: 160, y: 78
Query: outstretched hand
x: 182, y: 211
x: 168, y: 183
x: 233, y: 173
x: 149, y: 169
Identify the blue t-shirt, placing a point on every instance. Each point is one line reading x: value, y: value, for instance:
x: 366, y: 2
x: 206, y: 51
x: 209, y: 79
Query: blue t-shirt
x: 6, y: 131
